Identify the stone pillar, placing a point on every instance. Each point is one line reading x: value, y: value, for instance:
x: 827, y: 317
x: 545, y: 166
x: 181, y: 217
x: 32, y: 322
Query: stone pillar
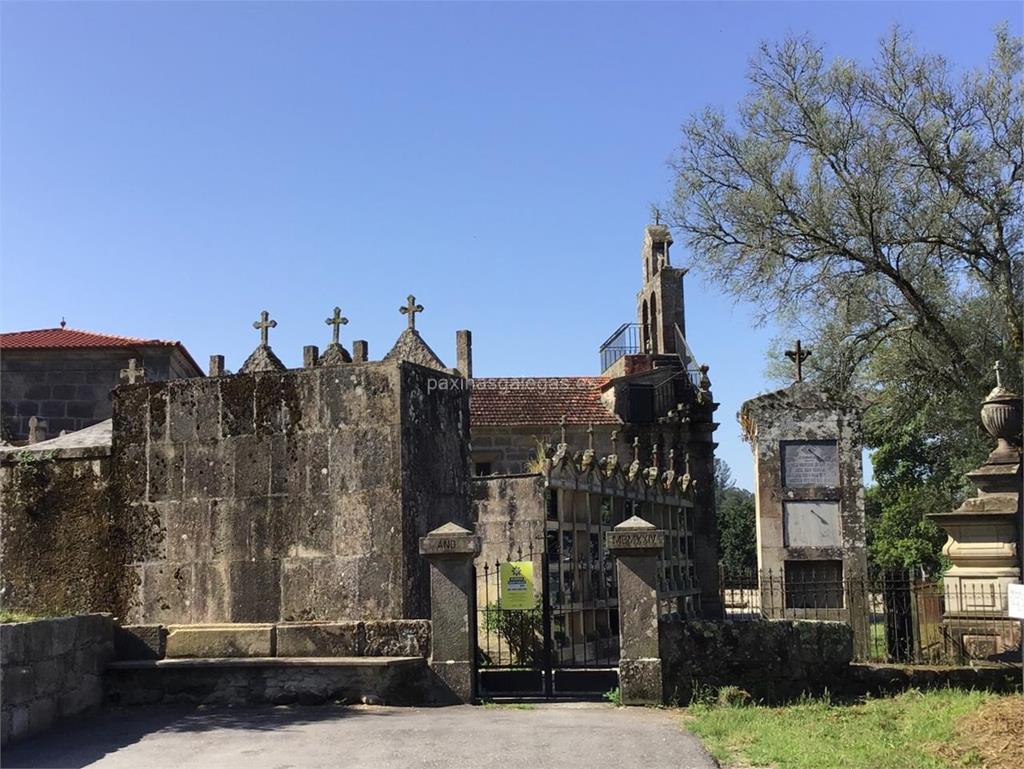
x: 360, y: 351
x: 450, y: 549
x: 636, y: 545
x: 310, y: 356
x: 984, y: 540
x: 464, y: 353
x: 37, y: 429
x: 216, y: 365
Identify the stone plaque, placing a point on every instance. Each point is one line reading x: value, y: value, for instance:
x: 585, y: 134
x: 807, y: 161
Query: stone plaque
x: 810, y: 463
x: 811, y: 524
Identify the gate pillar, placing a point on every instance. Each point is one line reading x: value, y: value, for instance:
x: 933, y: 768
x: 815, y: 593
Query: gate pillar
x: 636, y: 545
x: 450, y: 549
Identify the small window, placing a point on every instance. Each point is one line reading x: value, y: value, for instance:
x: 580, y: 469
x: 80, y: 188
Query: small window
x: 641, y: 404
x: 482, y: 468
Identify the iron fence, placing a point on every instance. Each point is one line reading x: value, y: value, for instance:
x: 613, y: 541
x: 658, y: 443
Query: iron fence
x: 898, y: 616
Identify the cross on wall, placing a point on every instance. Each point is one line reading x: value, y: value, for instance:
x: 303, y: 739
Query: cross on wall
x: 336, y: 321
x: 264, y: 324
x: 410, y: 309
x: 134, y: 373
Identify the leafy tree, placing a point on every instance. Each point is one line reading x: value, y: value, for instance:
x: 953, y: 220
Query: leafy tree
x: 737, y: 539
x: 878, y: 209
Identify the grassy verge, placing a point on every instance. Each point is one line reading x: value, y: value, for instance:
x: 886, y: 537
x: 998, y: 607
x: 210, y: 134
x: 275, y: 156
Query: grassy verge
x: 6, y: 615
x: 910, y: 730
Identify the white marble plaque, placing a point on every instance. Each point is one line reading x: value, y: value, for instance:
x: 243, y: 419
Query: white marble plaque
x: 811, y: 524
x: 810, y: 463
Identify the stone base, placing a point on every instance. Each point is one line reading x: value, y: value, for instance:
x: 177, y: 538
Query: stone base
x: 982, y: 638
x: 273, y: 681
x: 640, y: 682
x: 456, y: 679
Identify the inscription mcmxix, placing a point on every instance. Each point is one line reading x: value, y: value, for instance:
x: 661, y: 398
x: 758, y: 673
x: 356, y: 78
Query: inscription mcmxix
x: 810, y: 463
x: 629, y: 540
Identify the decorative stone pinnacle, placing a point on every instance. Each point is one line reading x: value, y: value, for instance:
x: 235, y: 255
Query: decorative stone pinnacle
x: 134, y: 372
x: 63, y: 323
x: 615, y: 441
x: 410, y: 309
x: 590, y: 436
x: 636, y: 449
x: 264, y: 324
x: 336, y: 322
x: 561, y: 425
x: 654, y: 454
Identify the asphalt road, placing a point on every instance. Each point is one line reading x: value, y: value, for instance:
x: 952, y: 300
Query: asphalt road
x: 587, y: 736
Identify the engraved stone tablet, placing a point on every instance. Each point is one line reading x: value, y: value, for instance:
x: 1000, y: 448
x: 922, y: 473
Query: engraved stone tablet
x: 811, y: 524
x: 809, y: 463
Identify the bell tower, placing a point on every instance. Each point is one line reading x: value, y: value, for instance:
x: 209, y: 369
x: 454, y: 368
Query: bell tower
x: 659, y: 304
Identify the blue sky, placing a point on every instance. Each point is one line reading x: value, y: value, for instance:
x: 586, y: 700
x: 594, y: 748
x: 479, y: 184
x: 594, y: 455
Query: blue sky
x: 170, y: 169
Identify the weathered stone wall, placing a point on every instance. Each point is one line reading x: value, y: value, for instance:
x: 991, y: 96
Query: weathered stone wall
x: 513, y: 450
x: 771, y: 660
x: 52, y: 668
x: 70, y: 389
x: 297, y: 495
x: 510, y: 515
x: 64, y: 547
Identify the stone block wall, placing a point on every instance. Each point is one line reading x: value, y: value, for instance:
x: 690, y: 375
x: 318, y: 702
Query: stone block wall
x: 771, y: 660
x: 63, y: 550
x: 289, y: 496
x: 510, y: 514
x: 52, y: 669
x: 70, y: 389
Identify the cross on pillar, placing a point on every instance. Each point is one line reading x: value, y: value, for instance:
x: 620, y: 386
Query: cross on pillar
x: 337, y: 322
x: 410, y: 309
x: 134, y: 372
x: 264, y: 324
x: 561, y: 425
x: 636, y: 449
x: 798, y: 355
x: 998, y: 368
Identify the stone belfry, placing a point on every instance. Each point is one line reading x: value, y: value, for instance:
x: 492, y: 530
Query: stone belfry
x: 659, y: 304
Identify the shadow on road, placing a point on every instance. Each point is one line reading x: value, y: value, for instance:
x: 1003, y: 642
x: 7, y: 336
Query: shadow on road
x: 77, y: 744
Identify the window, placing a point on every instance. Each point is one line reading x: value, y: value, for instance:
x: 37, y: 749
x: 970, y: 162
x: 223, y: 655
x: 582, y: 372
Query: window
x: 641, y: 403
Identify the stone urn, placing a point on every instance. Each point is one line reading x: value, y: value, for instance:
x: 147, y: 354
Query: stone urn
x: 1001, y: 415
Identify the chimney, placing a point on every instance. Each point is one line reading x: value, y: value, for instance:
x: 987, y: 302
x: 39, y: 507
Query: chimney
x: 464, y: 353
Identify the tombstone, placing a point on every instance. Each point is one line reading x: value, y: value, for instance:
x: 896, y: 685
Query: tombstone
x: 984, y: 544
x: 811, y: 550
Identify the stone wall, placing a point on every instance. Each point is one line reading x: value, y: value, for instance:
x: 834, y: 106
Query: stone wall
x: 510, y: 515
x: 289, y: 496
x: 771, y: 660
x: 52, y: 668
x: 70, y: 389
x: 63, y: 548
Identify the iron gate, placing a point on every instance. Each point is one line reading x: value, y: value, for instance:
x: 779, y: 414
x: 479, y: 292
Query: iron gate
x: 568, y: 644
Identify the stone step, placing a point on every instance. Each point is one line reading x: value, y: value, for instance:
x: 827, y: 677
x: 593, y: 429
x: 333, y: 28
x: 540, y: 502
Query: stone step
x: 272, y: 680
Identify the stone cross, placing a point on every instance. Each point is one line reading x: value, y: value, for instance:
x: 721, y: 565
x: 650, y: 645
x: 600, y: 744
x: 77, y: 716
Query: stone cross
x: 998, y: 368
x: 264, y: 324
x: 337, y: 322
x: 561, y: 425
x: 798, y: 355
x: 636, y: 449
x: 410, y: 309
x: 134, y: 372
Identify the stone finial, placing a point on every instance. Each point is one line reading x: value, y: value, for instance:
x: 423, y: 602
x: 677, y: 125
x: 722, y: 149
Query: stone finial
x: 360, y: 351
x: 615, y: 441
x: 310, y: 356
x: 134, y: 373
x: 636, y: 449
x: 561, y: 428
x: 264, y: 324
x: 590, y: 436
x: 37, y: 429
x: 63, y: 323
x: 464, y: 352
x: 216, y: 365
x: 1001, y: 416
x: 410, y: 309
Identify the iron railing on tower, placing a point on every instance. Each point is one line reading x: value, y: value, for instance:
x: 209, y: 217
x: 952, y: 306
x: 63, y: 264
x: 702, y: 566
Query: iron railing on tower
x: 625, y: 340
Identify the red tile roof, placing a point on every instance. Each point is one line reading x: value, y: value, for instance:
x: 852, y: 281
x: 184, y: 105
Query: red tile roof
x: 523, y: 401
x: 71, y: 339
x: 76, y: 339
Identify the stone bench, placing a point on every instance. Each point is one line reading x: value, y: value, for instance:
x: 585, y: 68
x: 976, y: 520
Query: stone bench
x: 271, y: 680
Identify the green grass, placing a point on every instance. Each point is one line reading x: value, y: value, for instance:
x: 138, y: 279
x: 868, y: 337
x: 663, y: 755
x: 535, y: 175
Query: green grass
x: 6, y: 615
x: 901, y: 732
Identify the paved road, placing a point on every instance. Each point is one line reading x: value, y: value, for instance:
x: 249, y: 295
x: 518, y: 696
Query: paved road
x: 590, y: 736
